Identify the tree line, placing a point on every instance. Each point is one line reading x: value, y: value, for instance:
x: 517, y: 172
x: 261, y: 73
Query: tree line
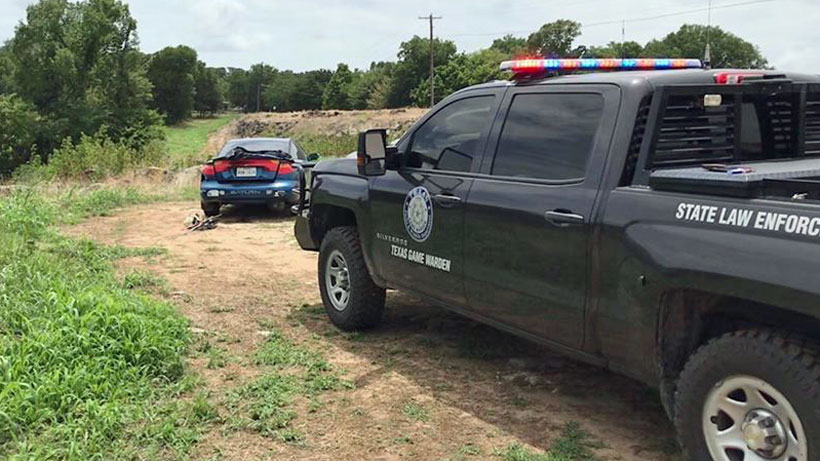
x: 74, y: 69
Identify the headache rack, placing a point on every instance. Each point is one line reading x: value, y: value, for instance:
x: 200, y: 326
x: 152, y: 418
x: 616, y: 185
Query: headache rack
x: 769, y: 125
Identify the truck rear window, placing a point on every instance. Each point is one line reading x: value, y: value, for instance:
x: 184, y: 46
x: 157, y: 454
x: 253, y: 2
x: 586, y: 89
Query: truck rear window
x: 743, y: 128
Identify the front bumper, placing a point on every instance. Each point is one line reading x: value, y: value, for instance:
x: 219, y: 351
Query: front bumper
x: 251, y: 192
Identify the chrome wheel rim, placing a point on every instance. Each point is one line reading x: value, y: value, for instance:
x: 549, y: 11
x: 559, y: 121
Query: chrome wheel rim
x: 337, y: 280
x: 747, y: 419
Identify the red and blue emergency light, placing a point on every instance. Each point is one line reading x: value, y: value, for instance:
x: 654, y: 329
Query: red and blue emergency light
x: 526, y: 66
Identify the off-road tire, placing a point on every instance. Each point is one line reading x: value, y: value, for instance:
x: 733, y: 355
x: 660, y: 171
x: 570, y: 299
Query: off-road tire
x: 366, y: 304
x: 787, y: 362
x: 210, y: 209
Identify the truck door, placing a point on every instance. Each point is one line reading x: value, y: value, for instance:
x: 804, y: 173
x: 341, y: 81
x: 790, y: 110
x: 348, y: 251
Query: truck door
x: 528, y: 216
x: 418, y: 211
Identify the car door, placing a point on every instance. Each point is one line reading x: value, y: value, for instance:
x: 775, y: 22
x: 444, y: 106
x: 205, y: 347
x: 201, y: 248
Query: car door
x: 528, y: 215
x: 418, y: 210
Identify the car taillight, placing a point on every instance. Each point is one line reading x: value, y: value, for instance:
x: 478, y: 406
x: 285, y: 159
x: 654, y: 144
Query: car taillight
x: 208, y: 170
x: 222, y: 166
x: 286, y: 168
x: 733, y: 78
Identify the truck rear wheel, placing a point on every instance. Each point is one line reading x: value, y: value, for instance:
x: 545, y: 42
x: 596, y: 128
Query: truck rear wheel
x: 351, y: 299
x: 749, y: 396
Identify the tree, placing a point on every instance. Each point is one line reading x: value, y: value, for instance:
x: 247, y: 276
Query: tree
x: 209, y: 94
x: 172, y: 71
x: 7, y: 72
x: 18, y: 132
x: 510, y: 45
x: 465, y: 69
x: 237, y: 81
x: 617, y: 50
x: 554, y: 39
x: 336, y: 95
x: 260, y: 76
x: 727, y: 49
x: 413, y: 66
x: 291, y: 91
x: 78, y: 64
x: 370, y: 89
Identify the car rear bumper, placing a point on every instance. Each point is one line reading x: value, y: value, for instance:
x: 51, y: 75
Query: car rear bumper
x: 251, y: 192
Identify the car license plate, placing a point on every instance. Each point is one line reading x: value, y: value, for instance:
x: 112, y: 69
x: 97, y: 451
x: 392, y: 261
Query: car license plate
x: 245, y: 172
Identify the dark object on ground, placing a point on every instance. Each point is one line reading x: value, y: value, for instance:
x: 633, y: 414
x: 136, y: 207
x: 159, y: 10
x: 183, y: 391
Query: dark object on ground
x: 196, y: 223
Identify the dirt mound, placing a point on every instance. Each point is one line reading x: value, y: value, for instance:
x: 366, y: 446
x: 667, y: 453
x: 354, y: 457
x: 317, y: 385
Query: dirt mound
x: 315, y: 123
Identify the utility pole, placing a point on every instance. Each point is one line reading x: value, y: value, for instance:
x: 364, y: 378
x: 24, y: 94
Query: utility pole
x: 431, y: 18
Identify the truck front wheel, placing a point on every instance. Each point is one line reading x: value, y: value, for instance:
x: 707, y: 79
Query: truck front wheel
x: 351, y: 299
x: 750, y: 395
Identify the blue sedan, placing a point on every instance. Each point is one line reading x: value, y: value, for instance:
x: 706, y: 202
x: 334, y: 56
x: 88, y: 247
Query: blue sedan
x: 253, y: 170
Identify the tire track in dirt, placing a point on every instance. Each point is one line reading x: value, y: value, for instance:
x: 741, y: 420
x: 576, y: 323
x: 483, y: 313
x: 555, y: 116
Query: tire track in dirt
x: 480, y: 387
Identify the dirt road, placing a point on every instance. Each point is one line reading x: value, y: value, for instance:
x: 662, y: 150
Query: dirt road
x: 478, y: 387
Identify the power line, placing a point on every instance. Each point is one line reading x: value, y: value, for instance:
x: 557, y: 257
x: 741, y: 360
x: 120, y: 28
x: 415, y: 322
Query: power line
x: 431, y: 18
x: 680, y: 13
x: 623, y: 21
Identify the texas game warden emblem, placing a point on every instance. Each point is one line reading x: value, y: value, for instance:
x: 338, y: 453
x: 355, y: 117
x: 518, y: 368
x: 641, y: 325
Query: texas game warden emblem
x: 418, y: 214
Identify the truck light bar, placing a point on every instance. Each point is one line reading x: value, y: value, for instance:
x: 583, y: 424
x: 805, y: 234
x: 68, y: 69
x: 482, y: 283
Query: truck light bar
x: 526, y: 66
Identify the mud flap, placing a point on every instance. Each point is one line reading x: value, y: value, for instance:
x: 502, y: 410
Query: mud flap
x: 301, y: 230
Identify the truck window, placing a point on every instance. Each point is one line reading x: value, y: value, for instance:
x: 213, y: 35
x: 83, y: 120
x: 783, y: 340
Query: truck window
x: 548, y: 136
x: 763, y: 127
x: 451, y: 138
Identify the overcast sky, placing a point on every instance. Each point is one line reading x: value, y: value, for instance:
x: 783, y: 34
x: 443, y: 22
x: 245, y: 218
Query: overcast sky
x: 311, y: 34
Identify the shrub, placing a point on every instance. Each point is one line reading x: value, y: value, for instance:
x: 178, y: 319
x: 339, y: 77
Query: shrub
x: 93, y: 157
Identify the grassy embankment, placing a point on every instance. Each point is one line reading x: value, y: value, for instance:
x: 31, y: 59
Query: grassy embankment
x: 184, y: 142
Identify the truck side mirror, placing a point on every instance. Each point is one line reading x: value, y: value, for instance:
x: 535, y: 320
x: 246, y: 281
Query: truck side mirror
x: 313, y: 157
x: 372, y: 151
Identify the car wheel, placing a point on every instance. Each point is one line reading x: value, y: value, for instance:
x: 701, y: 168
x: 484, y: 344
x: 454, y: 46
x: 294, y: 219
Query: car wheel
x: 351, y: 299
x: 210, y: 209
x: 750, y: 396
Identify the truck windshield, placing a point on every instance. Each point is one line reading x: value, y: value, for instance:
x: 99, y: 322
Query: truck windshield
x: 747, y: 125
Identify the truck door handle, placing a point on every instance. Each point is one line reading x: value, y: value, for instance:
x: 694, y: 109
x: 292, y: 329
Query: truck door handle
x: 564, y: 218
x: 447, y: 200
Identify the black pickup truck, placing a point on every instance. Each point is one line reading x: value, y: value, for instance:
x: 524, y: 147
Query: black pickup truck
x: 664, y: 224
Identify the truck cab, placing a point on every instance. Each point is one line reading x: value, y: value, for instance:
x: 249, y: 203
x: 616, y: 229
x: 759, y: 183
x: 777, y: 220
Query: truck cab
x: 614, y: 217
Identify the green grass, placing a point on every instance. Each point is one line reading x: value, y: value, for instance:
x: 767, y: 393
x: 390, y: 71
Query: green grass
x: 328, y: 145
x: 573, y: 445
x: 145, y: 281
x: 265, y: 405
x: 185, y: 141
x: 415, y: 412
x: 89, y: 369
